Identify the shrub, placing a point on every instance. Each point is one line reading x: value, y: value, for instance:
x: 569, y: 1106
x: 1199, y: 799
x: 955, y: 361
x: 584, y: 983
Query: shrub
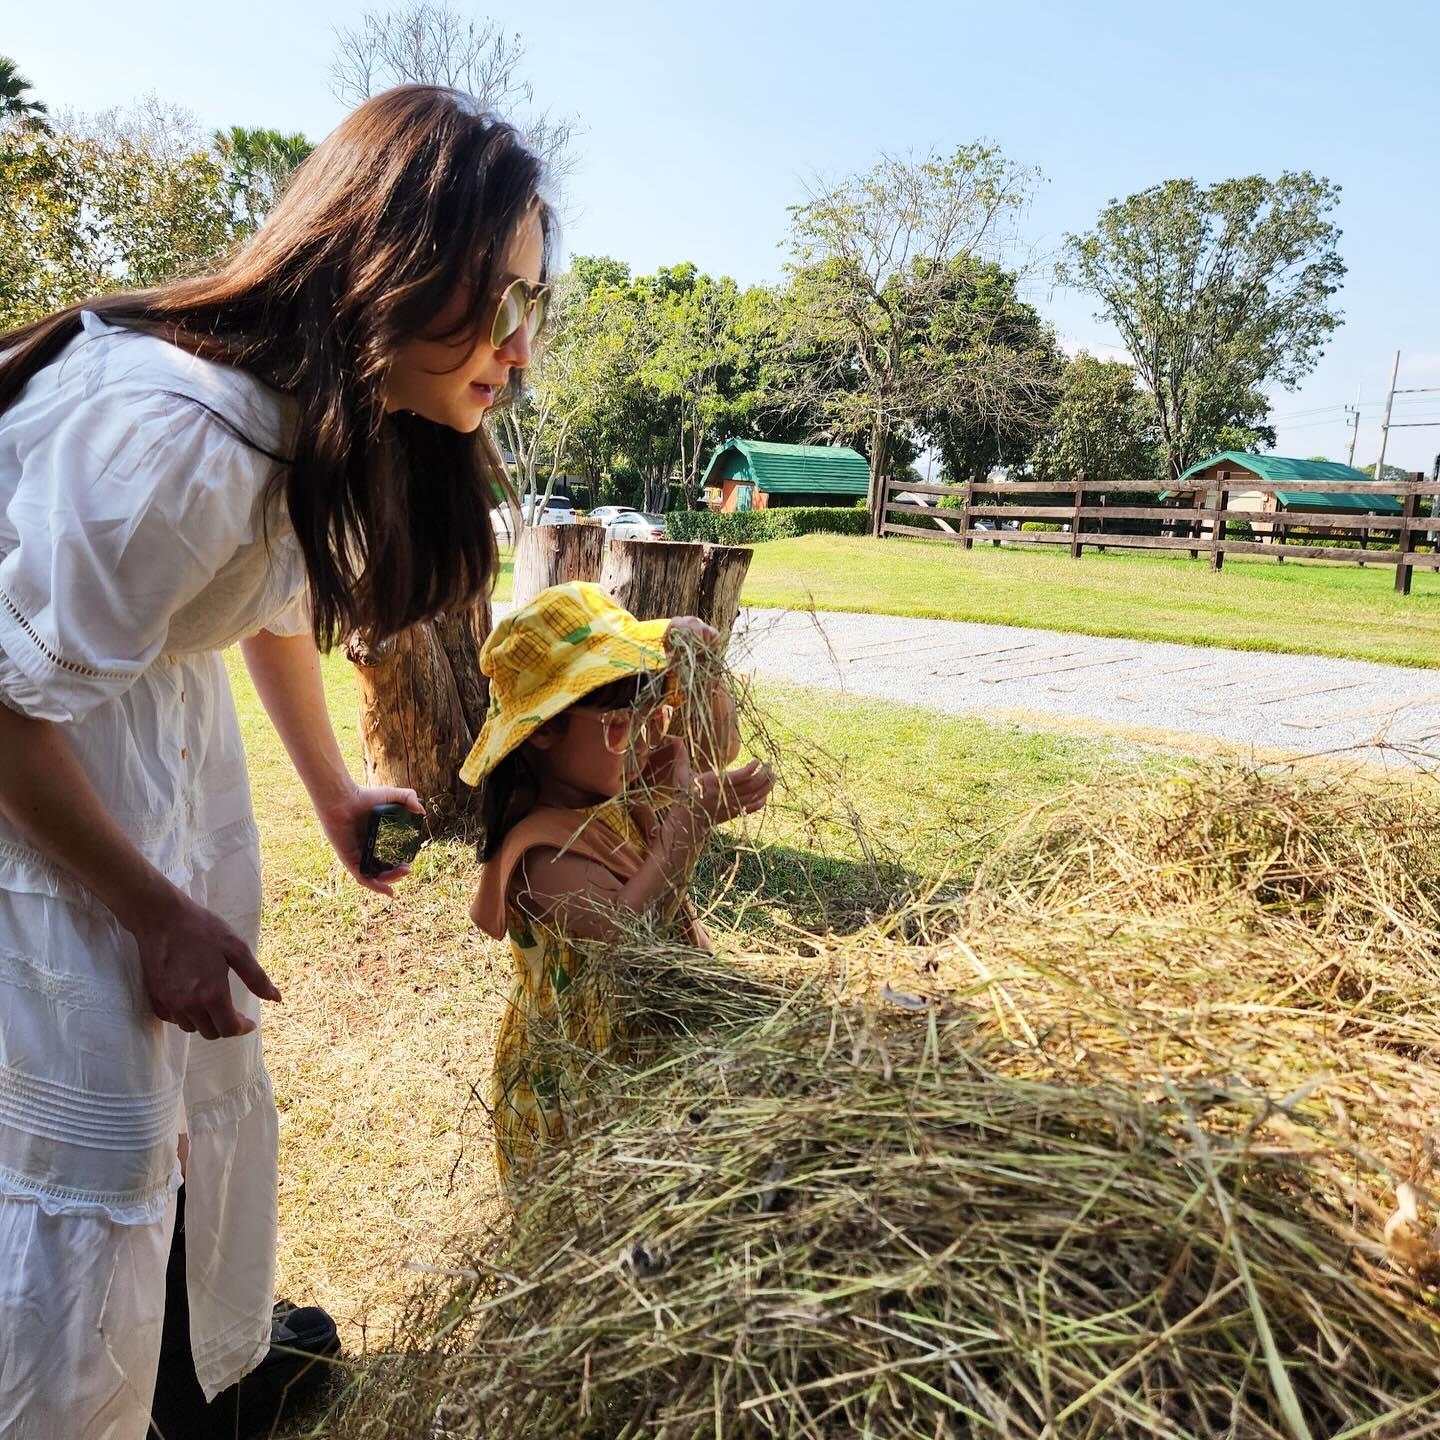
x: 752, y: 527
x: 1041, y: 525
x: 1240, y: 530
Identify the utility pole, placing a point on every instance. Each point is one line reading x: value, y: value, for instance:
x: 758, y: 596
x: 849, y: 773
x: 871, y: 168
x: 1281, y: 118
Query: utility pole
x: 1385, y: 423
x: 1352, y: 422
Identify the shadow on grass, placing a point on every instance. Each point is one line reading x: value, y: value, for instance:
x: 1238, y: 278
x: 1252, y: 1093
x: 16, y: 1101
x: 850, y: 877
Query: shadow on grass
x: 765, y: 892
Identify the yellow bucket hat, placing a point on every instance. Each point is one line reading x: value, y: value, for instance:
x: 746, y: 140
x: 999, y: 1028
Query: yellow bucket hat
x: 542, y: 658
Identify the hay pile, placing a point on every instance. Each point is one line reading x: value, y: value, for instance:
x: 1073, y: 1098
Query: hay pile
x: 1135, y: 1139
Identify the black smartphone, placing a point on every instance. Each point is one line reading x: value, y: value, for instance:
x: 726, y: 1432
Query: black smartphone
x: 392, y: 838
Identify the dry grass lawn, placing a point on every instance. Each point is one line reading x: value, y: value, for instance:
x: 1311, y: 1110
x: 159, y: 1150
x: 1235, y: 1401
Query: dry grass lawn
x: 381, y: 1049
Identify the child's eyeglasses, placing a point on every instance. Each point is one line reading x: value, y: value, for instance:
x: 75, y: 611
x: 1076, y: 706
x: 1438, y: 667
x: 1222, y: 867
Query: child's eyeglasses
x: 624, y: 729
x: 521, y: 304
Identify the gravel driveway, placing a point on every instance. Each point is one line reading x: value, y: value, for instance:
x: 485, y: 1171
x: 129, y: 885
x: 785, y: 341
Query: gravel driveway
x: 1299, y: 704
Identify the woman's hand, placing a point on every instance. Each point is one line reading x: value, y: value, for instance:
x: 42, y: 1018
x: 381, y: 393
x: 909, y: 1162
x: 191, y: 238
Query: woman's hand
x: 344, y: 821
x: 186, y: 956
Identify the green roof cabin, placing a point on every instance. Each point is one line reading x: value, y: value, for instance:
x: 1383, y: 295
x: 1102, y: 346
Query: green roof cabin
x: 1275, y: 470
x: 760, y: 475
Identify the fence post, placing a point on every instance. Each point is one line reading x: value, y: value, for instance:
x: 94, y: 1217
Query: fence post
x: 879, y: 521
x: 1408, y: 513
x: 1217, y: 522
x: 1075, y: 546
x: 966, y: 529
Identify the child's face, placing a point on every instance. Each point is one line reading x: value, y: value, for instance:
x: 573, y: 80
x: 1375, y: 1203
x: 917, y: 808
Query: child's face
x: 594, y: 751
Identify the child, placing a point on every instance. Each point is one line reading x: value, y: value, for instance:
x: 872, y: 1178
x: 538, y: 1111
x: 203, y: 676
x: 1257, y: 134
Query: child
x: 580, y: 709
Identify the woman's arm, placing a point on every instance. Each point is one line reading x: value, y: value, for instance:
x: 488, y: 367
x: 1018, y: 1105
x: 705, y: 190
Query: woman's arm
x: 186, y: 953
x: 286, y: 672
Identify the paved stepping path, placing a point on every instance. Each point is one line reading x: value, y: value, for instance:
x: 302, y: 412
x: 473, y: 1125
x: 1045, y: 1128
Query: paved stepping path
x: 1300, y: 704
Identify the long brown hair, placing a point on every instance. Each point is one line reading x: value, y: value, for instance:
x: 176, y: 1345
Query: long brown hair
x: 412, y: 200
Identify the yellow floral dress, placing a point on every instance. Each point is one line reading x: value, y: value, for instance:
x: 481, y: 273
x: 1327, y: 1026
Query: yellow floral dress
x: 539, y: 1088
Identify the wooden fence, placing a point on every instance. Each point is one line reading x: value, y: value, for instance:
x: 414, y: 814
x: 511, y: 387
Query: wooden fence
x: 1201, y: 530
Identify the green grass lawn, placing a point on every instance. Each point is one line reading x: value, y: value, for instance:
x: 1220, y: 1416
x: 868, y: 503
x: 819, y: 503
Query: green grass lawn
x: 381, y: 1049
x: 1253, y: 604
x: 1305, y: 608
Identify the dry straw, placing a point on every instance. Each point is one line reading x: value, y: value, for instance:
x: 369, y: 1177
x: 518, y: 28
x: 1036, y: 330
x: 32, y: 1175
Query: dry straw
x: 1134, y: 1138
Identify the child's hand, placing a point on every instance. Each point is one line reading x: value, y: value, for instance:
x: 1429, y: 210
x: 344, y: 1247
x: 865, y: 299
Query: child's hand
x: 741, y: 791
x: 667, y: 767
x: 707, y: 637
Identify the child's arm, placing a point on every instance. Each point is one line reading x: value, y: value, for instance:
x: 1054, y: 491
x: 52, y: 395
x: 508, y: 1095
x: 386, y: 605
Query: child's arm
x: 583, y: 899
x: 719, y: 742
x: 715, y: 743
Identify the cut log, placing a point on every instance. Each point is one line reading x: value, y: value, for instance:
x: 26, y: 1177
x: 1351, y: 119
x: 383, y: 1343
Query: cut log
x: 653, y: 579
x: 722, y: 575
x: 461, y: 637
x: 549, y: 555
x: 412, y: 720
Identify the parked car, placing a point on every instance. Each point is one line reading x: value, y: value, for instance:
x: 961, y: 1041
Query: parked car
x: 557, y: 510
x: 632, y: 525
x: 606, y: 513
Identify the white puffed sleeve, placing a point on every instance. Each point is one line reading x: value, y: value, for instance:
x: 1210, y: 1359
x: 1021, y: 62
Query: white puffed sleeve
x: 297, y: 618
x: 126, y: 502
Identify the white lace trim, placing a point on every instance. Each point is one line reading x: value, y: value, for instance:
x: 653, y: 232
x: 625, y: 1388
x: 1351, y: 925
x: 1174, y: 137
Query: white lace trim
x: 73, y: 992
x: 72, y: 667
x: 231, y: 1106
x: 134, y: 1208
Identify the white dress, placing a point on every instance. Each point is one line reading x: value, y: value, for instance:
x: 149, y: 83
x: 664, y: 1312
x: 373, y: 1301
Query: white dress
x: 135, y: 545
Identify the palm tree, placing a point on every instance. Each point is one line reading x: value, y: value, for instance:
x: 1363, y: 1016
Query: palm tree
x: 13, y: 104
x: 257, y: 164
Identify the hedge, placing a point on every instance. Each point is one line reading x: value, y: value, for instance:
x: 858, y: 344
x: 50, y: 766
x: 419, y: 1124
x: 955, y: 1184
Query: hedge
x: 751, y: 527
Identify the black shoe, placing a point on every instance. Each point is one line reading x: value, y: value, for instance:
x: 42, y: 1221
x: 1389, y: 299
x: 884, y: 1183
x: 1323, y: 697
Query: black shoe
x: 301, y: 1339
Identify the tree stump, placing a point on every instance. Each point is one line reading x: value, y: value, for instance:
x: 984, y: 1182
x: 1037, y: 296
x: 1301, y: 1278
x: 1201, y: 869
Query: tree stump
x: 422, y: 703
x: 654, y: 579
x: 547, y: 555
x: 722, y: 575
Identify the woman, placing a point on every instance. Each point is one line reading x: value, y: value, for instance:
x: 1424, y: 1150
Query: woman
x: 274, y: 454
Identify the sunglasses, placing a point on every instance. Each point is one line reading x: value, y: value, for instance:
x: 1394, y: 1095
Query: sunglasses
x: 627, y: 729
x: 521, y: 305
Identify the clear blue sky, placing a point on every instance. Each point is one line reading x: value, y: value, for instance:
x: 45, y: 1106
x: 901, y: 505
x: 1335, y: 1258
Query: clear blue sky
x: 701, y: 123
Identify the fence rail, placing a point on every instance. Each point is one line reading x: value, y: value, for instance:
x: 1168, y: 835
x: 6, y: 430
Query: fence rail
x: 1198, y: 528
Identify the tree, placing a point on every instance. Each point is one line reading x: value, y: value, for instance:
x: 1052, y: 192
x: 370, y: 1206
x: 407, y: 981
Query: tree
x: 871, y: 268
x: 1218, y: 293
x: 256, y: 166
x: 1390, y: 475
x: 577, y: 388
x: 988, y: 368
x: 1103, y: 427
x: 427, y: 43
x: 119, y: 201
x: 710, y: 337
x: 14, y: 105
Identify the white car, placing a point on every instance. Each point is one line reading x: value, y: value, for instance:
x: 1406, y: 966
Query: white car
x: 557, y: 510
x: 606, y: 513
x: 632, y: 525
